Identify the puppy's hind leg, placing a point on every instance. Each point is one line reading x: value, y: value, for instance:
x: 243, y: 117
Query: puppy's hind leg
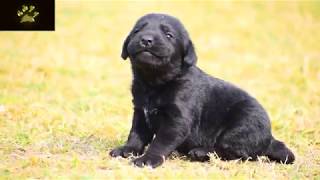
x: 247, y: 133
x: 199, y: 154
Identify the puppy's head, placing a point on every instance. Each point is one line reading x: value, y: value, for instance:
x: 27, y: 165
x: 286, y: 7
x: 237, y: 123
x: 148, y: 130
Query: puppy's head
x: 158, y: 40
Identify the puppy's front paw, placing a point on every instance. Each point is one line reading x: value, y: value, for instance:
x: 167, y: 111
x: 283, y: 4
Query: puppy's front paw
x: 149, y: 160
x: 125, y: 151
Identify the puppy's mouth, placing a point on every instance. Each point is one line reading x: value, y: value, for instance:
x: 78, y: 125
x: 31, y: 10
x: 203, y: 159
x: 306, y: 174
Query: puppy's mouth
x: 149, y: 53
x: 148, y: 58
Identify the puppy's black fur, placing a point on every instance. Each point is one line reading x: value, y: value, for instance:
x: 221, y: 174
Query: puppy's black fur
x: 179, y: 107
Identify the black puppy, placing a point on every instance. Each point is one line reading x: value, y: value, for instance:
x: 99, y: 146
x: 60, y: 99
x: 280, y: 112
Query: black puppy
x: 179, y: 107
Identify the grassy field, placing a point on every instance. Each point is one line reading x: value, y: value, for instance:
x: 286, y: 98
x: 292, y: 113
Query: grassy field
x: 65, y: 96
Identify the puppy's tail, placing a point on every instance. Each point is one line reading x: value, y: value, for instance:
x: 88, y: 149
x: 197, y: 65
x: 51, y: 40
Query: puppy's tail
x: 278, y: 151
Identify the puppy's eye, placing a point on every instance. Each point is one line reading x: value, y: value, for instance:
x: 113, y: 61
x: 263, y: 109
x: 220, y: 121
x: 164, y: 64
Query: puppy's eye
x: 169, y: 35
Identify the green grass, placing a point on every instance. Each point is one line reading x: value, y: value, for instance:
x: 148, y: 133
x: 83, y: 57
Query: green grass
x: 65, y: 95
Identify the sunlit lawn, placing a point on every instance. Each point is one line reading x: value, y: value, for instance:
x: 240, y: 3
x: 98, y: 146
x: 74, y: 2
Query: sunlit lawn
x: 65, y: 96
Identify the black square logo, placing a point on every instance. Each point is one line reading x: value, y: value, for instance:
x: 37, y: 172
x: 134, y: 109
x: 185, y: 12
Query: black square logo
x: 27, y: 15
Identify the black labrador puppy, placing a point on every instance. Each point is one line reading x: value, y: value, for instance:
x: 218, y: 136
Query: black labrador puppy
x: 179, y: 107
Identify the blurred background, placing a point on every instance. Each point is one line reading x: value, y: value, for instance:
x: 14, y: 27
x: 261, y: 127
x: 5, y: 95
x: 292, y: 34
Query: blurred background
x: 65, y: 95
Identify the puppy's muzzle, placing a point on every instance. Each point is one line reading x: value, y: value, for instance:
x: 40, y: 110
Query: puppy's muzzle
x: 146, y: 41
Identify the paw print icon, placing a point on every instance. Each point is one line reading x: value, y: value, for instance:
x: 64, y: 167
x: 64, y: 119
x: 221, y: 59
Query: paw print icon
x: 27, y: 14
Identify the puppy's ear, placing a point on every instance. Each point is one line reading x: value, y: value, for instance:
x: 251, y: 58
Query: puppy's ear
x: 190, y: 57
x: 124, y: 53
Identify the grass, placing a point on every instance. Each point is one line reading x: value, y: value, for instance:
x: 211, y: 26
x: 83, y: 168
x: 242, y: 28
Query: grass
x: 65, y: 95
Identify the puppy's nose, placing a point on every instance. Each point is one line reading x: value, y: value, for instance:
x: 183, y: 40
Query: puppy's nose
x: 146, y: 41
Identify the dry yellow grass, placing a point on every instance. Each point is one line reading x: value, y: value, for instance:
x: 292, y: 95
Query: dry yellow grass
x: 65, y: 95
